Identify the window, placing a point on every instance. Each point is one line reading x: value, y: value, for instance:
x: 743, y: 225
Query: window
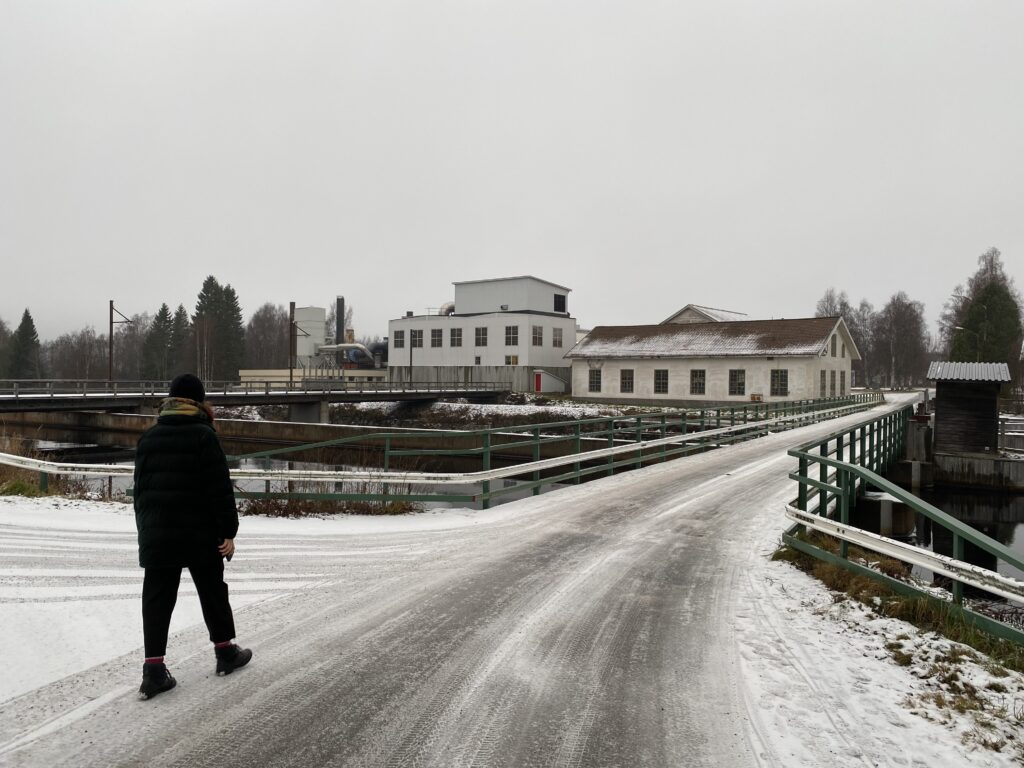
x: 780, y: 382
x: 833, y: 346
x: 660, y: 381
x: 481, y: 337
x: 832, y: 385
x: 511, y: 359
x: 842, y: 383
x: 399, y: 339
x: 556, y: 337
x: 416, y: 338
x: 511, y: 335
x: 559, y: 302
x: 822, y: 393
x: 456, y: 337
x: 594, y: 382
x: 436, y: 335
x: 737, y: 381
x: 626, y: 380
x: 844, y: 350
x: 698, y: 381
x: 538, y: 335
x: 476, y: 360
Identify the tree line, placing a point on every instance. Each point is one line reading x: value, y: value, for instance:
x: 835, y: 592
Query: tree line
x: 212, y: 341
x: 979, y: 323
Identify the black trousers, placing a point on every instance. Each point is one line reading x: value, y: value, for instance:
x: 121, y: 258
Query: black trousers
x: 160, y: 593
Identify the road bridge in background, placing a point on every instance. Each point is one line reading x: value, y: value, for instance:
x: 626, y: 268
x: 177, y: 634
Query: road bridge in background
x: 310, y: 396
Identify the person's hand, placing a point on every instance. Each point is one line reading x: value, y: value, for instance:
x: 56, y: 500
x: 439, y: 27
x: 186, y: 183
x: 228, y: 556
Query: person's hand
x: 227, y: 549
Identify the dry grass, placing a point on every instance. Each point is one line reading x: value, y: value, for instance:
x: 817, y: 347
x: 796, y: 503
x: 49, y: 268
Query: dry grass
x: 271, y: 507
x: 923, y: 613
x: 23, y: 482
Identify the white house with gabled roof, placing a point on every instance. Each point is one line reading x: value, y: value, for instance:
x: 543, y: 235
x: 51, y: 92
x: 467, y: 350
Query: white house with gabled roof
x: 507, y: 330
x: 715, y: 362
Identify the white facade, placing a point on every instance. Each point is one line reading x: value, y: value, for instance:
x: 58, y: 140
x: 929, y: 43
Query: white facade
x: 803, y: 379
x: 511, y: 294
x: 504, y: 327
x: 741, y: 362
x: 427, y: 340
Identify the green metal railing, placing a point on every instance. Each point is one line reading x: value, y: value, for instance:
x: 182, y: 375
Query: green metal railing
x: 593, y: 446
x: 580, y: 448
x: 833, y: 472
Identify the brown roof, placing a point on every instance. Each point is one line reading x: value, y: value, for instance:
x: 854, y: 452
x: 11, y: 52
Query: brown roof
x: 760, y: 338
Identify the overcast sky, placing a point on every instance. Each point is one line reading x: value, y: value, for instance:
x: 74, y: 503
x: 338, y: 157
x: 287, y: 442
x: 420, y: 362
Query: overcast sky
x: 742, y: 155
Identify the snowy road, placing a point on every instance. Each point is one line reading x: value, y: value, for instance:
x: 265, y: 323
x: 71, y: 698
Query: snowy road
x: 630, y: 621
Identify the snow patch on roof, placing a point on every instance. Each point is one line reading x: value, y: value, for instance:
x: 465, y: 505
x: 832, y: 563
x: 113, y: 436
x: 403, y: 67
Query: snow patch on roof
x: 801, y: 337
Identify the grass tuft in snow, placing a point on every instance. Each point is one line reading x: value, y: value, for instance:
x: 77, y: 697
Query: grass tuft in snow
x: 922, y: 613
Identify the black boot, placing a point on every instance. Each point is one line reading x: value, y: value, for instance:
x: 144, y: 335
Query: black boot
x: 155, y: 679
x: 230, y: 658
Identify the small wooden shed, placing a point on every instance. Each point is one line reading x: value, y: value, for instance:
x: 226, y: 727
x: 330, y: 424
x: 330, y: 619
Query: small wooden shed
x: 967, y: 405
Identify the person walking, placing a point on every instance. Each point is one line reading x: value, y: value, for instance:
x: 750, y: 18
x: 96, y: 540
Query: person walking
x: 186, y: 518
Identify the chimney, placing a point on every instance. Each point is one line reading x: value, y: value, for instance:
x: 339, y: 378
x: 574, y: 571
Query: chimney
x: 339, y: 326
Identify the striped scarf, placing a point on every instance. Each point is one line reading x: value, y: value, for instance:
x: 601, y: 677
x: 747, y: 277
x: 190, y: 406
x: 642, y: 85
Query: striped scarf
x: 182, y: 406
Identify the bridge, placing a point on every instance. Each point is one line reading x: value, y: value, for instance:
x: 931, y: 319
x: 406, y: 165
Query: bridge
x: 633, y: 620
x: 308, y: 398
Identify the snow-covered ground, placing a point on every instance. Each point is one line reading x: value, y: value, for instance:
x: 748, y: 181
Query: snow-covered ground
x: 69, y: 616
x: 482, y: 411
x: 819, y: 679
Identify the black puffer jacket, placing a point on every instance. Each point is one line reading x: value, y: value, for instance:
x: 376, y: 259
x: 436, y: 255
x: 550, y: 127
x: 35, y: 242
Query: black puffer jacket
x: 184, y: 502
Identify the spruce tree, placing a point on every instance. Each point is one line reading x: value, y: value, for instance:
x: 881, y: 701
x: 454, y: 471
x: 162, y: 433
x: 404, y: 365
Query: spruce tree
x: 983, y: 323
x: 180, y: 346
x: 5, y: 347
x: 230, y: 335
x: 204, y: 327
x: 157, y: 347
x: 219, y: 332
x: 25, y: 360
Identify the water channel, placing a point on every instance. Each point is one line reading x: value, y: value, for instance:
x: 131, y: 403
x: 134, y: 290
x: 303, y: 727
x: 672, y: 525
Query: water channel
x: 998, y: 515
x: 58, y: 446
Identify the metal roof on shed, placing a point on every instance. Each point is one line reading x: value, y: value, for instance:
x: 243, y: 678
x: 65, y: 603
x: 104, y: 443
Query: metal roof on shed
x: 944, y: 371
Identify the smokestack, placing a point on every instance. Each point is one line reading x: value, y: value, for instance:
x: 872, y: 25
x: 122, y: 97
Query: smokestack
x: 339, y: 326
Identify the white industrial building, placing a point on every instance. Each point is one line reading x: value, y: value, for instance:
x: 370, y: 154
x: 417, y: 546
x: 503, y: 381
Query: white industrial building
x: 513, y: 330
x: 682, y: 362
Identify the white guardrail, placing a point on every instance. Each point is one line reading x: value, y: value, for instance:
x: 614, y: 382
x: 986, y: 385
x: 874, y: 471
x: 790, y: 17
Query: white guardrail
x: 958, y: 570
x: 389, y: 477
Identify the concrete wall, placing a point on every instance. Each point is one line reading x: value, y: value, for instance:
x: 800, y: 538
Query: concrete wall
x: 494, y: 354
x: 974, y: 470
x: 550, y: 383
x: 518, y: 378
x: 804, y: 378
x: 309, y: 336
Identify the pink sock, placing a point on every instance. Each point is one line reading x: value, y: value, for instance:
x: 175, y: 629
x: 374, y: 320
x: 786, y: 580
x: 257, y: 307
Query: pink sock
x: 225, y: 644
x: 154, y: 659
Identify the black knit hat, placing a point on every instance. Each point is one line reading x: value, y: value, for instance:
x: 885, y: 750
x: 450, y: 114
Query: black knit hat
x: 189, y: 386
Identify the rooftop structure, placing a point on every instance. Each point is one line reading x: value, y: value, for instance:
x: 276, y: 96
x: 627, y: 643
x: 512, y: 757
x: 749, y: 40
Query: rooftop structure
x: 695, y: 313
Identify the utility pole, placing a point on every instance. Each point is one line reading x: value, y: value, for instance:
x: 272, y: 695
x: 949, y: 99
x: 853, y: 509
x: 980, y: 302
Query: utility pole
x: 110, y: 339
x: 291, y: 344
